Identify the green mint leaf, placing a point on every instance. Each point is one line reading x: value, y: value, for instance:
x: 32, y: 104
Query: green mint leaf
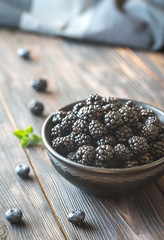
x: 27, y: 137
x: 25, y: 142
x: 35, y: 140
x: 29, y: 130
x: 20, y: 133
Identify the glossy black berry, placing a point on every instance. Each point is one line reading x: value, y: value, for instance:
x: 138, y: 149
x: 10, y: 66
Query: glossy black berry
x: 113, y: 119
x: 97, y: 129
x: 104, y: 157
x: 138, y: 144
x: 36, y: 107
x: 85, y: 155
x: 150, y: 132
x: 82, y: 139
x: 63, y: 145
x: 22, y: 170
x: 94, y: 99
x: 122, y: 153
x: 23, y: 53
x: 39, y: 84
x: 106, y: 140
x: 76, y: 217
x: 129, y: 115
x: 80, y: 126
x: 77, y: 107
x: 72, y: 156
x: 58, y: 116
x: 123, y: 133
x: 14, y: 215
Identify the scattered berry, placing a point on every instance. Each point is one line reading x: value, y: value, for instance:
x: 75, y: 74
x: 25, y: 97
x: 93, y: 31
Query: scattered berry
x: 14, y: 215
x: 76, y: 217
x: 39, y: 84
x: 23, y: 53
x: 22, y: 170
x: 36, y: 107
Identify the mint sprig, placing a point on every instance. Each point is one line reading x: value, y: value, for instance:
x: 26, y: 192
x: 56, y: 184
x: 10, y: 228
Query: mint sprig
x: 27, y: 137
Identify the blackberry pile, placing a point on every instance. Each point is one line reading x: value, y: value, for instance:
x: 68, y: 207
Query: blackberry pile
x: 106, y: 133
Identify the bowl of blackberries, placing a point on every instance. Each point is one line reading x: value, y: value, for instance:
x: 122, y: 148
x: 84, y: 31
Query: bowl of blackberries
x: 105, y: 145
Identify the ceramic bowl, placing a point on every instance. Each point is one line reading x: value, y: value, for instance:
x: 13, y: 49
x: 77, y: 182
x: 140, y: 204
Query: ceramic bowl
x: 99, y: 181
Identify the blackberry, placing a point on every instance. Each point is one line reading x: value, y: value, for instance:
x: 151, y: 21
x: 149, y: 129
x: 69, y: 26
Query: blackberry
x: 94, y: 99
x: 161, y: 137
x: 80, y: 126
x: 94, y: 112
x: 97, y: 129
x: 58, y: 116
x: 77, y: 107
x: 107, y: 140
x: 129, y: 115
x: 123, y: 133
x: 145, y: 113
x: 133, y: 106
x: 157, y: 150
x: 112, y: 100
x: 110, y: 107
x: 39, y: 84
x: 82, y: 139
x: 113, y: 119
x: 150, y: 132
x: 63, y: 145
x: 138, y: 144
x: 67, y: 122
x: 72, y: 156
x: 36, y: 107
x: 23, y: 53
x: 153, y: 120
x: 137, y: 127
x: 104, y: 156
x: 57, y: 131
x: 85, y: 155
x: 83, y: 113
x: 145, y: 158
x: 131, y: 163
x: 122, y: 153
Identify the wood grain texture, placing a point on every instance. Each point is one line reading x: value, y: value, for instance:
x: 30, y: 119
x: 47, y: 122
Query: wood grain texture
x: 26, y: 194
x: 74, y: 70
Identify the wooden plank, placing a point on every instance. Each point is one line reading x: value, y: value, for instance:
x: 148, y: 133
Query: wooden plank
x: 38, y: 220
x: 107, y: 74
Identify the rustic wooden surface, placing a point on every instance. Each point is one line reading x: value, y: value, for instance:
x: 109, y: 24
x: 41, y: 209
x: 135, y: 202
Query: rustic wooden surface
x: 74, y: 70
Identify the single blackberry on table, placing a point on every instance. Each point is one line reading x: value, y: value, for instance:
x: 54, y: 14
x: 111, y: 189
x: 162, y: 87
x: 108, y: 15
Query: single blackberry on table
x: 145, y: 158
x: 138, y: 144
x: 131, y: 163
x: 106, y: 140
x: 14, y: 215
x: 67, y: 122
x: 24, y: 53
x: 80, y: 126
x: 63, y: 145
x: 72, y: 156
x: 39, y: 84
x: 122, y: 153
x: 104, y: 157
x: 94, y: 99
x: 129, y: 115
x: 85, y: 155
x: 150, y: 132
x: 77, y: 107
x: 97, y: 129
x: 113, y: 119
x: 153, y: 120
x: 58, y: 116
x: 157, y: 150
x: 123, y: 133
x: 36, y: 107
x: 57, y: 131
x: 82, y: 139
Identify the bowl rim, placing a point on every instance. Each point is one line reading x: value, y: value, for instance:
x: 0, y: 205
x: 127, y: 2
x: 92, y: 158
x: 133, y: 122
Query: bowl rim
x: 90, y: 168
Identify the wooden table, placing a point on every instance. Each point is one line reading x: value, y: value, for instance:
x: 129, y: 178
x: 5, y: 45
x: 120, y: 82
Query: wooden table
x: 74, y: 70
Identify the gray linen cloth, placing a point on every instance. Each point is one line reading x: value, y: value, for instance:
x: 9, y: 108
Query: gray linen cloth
x: 132, y: 23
